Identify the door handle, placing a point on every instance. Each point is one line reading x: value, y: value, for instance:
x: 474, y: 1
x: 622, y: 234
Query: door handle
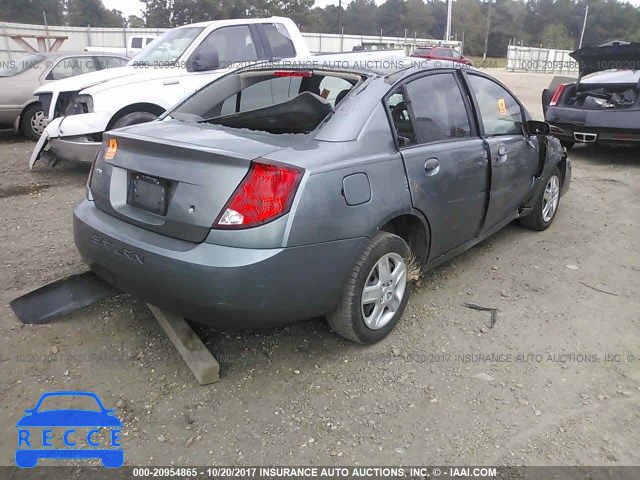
x: 502, y: 154
x: 431, y: 164
x: 171, y: 82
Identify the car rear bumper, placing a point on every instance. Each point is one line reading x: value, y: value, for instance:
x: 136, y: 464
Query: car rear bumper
x: 217, y: 285
x: 595, y: 135
x: 593, y: 126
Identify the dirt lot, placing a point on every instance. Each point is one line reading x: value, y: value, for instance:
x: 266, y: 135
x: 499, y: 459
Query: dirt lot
x: 301, y: 395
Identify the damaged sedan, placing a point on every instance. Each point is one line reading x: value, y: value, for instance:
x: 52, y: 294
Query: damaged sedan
x: 279, y: 193
x: 603, y: 105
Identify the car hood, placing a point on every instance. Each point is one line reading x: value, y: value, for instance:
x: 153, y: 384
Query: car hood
x: 69, y: 418
x: 611, y: 56
x: 117, y: 76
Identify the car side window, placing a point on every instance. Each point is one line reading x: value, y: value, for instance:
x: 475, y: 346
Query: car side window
x: 456, y: 54
x: 397, y: 105
x: 500, y: 113
x: 438, y: 109
x: 279, y: 40
x: 233, y: 44
x: 72, y: 66
x: 334, y: 89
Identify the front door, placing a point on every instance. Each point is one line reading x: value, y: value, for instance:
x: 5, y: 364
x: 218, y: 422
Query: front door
x: 446, y: 161
x: 513, y: 159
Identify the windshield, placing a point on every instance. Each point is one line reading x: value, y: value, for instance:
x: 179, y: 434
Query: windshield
x: 423, y: 51
x: 14, y: 67
x: 168, y: 47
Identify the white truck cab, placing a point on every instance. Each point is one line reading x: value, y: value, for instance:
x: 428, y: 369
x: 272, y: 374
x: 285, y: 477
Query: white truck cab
x: 179, y: 62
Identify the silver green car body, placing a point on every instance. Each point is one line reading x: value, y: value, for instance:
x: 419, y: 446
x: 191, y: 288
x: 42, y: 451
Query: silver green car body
x: 359, y: 176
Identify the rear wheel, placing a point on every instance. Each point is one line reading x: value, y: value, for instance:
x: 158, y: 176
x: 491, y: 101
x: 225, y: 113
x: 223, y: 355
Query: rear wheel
x: 134, y: 118
x: 376, y: 293
x: 33, y: 121
x: 546, y: 207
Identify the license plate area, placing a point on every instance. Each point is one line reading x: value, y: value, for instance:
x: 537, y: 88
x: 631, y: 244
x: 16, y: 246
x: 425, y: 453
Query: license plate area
x: 148, y: 193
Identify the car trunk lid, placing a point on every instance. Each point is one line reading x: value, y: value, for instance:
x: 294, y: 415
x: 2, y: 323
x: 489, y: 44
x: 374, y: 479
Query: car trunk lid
x: 174, y: 177
x: 610, y: 56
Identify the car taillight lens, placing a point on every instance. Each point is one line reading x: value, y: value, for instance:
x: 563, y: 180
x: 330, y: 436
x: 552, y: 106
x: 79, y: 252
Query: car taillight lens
x: 265, y: 193
x: 557, y: 94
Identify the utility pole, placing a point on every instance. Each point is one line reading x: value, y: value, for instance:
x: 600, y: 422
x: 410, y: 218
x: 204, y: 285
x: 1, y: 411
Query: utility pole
x: 486, y: 34
x: 340, y: 16
x: 447, y: 33
x: 584, y: 26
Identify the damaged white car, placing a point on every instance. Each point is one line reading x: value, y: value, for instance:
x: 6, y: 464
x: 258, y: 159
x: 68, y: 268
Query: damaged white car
x: 80, y: 109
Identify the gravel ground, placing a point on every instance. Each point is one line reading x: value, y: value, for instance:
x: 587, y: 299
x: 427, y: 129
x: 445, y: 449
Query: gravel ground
x: 538, y: 389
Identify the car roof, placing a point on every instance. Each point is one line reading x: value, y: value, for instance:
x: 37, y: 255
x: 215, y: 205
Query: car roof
x: 235, y: 21
x: 356, y: 62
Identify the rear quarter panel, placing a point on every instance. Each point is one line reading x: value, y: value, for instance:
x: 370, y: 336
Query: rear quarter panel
x: 322, y: 213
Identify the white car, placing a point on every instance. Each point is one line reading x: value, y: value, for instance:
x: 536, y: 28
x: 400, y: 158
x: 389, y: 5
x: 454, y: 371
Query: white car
x: 172, y: 67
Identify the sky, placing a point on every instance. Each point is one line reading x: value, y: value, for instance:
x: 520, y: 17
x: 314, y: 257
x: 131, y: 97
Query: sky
x: 134, y: 7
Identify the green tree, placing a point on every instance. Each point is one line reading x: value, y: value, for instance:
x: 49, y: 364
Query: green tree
x: 360, y: 18
x: 92, y: 12
x: 135, y: 21
x: 30, y: 11
x: 556, y: 36
x: 391, y: 18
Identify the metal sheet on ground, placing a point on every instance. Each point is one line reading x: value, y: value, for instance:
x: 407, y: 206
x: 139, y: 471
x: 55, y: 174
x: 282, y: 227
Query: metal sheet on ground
x: 61, y: 297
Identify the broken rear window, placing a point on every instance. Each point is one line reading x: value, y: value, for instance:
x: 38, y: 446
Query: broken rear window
x: 275, y: 101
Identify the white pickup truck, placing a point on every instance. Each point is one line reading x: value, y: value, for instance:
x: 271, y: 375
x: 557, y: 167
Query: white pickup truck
x: 134, y: 46
x: 182, y: 60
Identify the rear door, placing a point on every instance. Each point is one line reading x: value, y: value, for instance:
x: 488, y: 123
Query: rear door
x: 514, y: 160
x: 444, y: 157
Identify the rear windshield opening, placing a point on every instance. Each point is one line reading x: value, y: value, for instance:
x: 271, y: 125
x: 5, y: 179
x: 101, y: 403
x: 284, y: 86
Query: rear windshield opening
x: 277, y: 101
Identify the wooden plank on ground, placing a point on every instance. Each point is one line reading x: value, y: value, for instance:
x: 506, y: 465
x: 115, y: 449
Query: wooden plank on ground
x: 196, y: 355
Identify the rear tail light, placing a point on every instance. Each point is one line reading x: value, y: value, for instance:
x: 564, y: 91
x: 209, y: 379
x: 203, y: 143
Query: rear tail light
x: 557, y: 94
x: 264, y: 194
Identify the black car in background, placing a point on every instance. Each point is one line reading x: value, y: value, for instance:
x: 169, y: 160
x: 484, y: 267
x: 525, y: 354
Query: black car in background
x: 603, y: 105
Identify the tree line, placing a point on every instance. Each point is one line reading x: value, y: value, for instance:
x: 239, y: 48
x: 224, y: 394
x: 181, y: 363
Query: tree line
x: 547, y: 23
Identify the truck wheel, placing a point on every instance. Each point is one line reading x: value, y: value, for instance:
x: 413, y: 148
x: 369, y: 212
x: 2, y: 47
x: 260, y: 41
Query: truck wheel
x: 376, y: 293
x: 33, y: 122
x: 546, y: 207
x: 133, y: 118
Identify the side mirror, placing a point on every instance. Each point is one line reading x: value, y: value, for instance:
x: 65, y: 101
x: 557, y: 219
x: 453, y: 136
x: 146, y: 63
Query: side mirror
x: 204, y: 61
x: 534, y: 127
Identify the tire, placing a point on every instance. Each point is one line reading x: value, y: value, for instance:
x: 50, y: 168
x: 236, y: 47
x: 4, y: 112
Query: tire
x: 540, y: 218
x: 32, y: 122
x: 567, y: 144
x: 133, y: 118
x: 362, y: 323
